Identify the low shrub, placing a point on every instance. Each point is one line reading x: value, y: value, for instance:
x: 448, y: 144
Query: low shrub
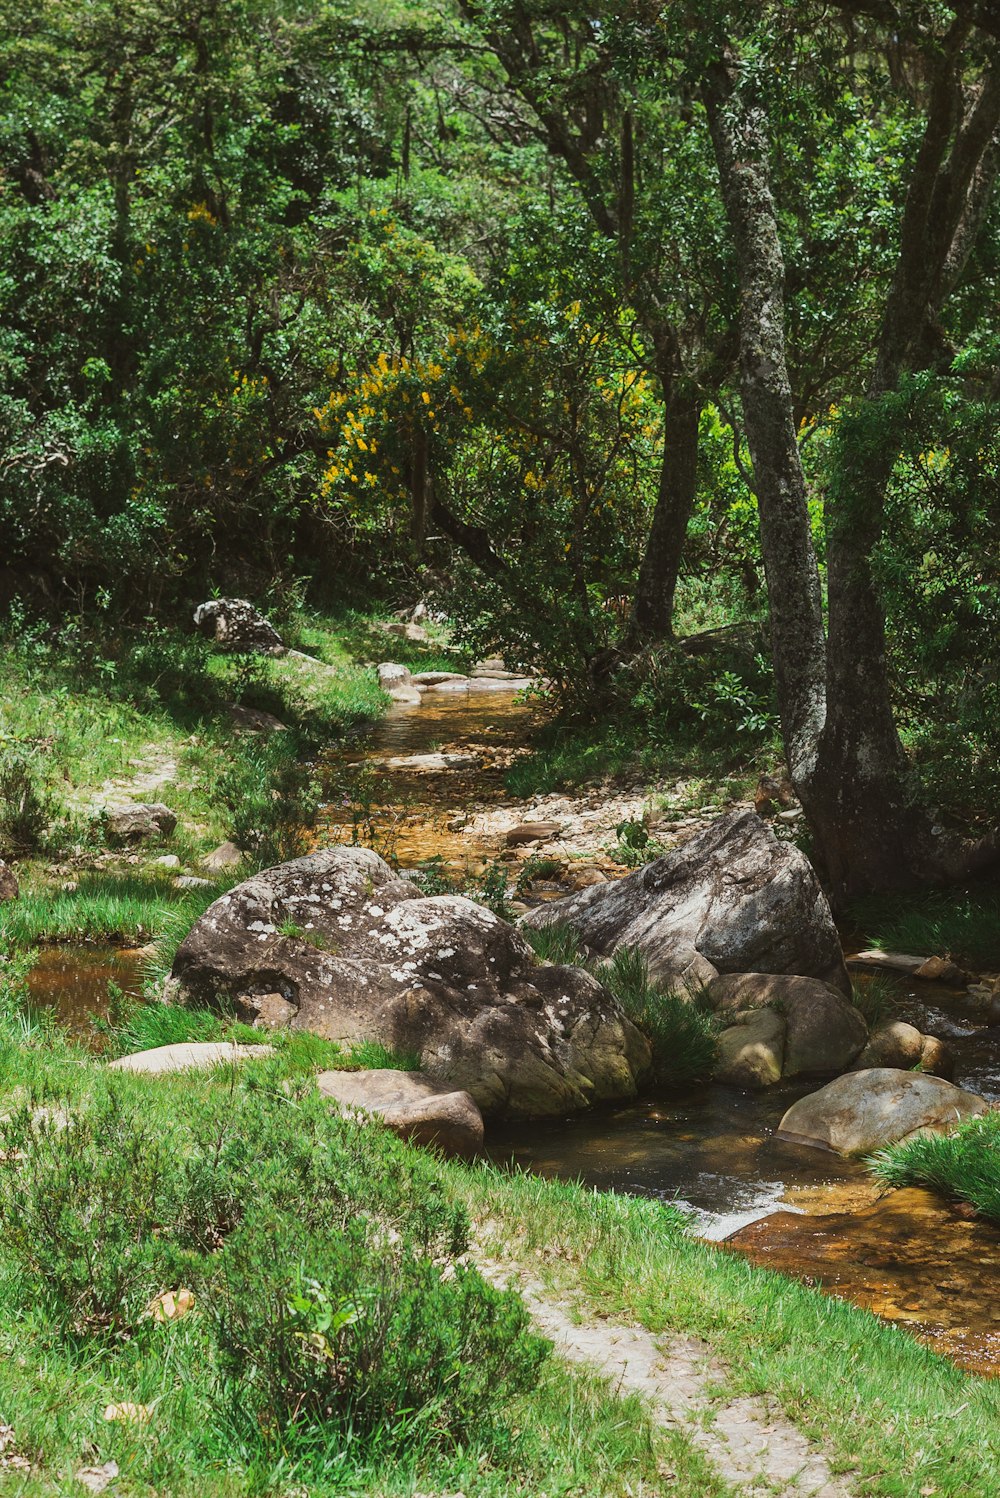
x: 321, y: 1252
x: 272, y: 799
x: 26, y: 807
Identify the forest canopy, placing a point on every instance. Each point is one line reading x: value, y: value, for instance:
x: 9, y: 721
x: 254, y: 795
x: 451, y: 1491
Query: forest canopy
x: 658, y: 346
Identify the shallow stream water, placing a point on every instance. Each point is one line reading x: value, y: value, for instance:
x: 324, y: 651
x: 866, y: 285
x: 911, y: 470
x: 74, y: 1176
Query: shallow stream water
x: 906, y: 1256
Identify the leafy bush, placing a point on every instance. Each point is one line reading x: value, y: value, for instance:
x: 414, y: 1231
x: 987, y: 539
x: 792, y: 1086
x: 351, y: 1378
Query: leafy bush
x: 25, y: 804
x: 367, y: 1334
x: 272, y: 799
x: 321, y: 1253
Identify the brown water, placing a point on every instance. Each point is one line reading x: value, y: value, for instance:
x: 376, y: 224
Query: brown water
x: 413, y: 804
x: 72, y: 981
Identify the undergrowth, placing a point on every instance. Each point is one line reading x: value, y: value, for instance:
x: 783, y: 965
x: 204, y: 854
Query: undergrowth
x: 961, y: 924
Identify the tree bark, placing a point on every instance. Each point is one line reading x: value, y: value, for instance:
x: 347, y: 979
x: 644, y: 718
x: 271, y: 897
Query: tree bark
x: 738, y: 129
x: 653, y: 606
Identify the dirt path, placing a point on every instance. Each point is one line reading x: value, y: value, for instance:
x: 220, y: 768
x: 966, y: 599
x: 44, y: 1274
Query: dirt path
x: 750, y: 1442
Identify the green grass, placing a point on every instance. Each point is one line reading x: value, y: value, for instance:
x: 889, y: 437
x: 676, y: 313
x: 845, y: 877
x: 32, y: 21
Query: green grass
x: 895, y: 1414
x: 127, y: 909
x: 964, y: 1166
x: 355, y: 636
x: 681, y: 1031
x: 876, y: 996
x: 961, y: 924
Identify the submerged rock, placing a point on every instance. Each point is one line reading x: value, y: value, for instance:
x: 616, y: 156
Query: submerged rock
x: 412, y: 1104
x: 733, y: 899
x: 867, y: 1110
x: 358, y: 953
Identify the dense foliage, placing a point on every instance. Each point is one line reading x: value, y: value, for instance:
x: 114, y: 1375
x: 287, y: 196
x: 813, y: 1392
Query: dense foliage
x: 458, y: 300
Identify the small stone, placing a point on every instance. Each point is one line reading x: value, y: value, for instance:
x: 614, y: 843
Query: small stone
x: 96, y: 1479
x: 191, y: 881
x: 138, y: 821
x: 167, y: 861
x: 226, y: 856
x: 532, y: 832
x: 941, y: 970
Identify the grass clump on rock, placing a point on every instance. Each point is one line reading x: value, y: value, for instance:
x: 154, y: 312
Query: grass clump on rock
x: 964, y: 1166
x: 681, y: 1031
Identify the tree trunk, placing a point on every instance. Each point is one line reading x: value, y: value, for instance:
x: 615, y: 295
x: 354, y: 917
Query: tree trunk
x: 653, y: 607
x: 738, y: 133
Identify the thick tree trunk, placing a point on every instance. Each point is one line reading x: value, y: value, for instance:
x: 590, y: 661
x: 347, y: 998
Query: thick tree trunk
x: 739, y: 137
x: 653, y: 607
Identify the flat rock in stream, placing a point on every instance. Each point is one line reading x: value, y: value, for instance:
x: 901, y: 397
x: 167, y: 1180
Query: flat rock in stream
x: 357, y: 953
x: 867, y: 1110
x: 732, y: 899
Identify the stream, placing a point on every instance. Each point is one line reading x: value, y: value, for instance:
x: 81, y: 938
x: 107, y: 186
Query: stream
x: 905, y: 1255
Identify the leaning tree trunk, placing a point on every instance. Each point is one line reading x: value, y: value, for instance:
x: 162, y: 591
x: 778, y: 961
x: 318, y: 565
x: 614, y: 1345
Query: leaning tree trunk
x: 862, y: 778
x: 653, y: 607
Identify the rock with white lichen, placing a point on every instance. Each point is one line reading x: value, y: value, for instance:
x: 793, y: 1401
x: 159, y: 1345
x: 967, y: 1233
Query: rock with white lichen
x: 354, y: 952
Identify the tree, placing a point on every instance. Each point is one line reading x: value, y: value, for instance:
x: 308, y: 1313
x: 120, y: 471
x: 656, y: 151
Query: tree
x: 834, y: 692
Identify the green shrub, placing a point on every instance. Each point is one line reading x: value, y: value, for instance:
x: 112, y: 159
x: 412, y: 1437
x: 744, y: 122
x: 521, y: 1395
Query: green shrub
x: 322, y: 1254
x: 369, y: 1335
x: 272, y: 799
x: 25, y: 805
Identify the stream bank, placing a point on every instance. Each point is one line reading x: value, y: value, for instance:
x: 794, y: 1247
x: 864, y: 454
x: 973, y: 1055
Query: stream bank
x: 440, y: 771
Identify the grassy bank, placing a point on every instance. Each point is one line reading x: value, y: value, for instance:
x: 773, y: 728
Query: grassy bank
x: 338, y: 1341
x: 963, y: 924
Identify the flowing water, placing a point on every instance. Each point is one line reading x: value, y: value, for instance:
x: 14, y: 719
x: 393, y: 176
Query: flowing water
x: 906, y: 1256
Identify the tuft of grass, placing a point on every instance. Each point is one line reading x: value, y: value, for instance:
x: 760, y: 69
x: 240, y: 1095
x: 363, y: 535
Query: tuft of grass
x: 961, y: 924
x: 369, y: 1055
x: 876, y: 997
x: 964, y: 1166
x: 128, y: 909
x: 681, y: 1031
x: 557, y: 943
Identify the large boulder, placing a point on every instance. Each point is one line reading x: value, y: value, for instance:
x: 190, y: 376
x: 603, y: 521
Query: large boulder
x: 412, y: 1104
x: 866, y: 1110
x: 356, y: 953
x: 733, y: 899
x: 235, y: 624
x: 823, y: 1033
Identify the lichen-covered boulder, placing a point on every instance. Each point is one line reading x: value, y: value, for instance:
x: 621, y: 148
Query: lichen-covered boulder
x: 867, y: 1110
x: 733, y: 899
x: 235, y: 624
x: 357, y: 953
